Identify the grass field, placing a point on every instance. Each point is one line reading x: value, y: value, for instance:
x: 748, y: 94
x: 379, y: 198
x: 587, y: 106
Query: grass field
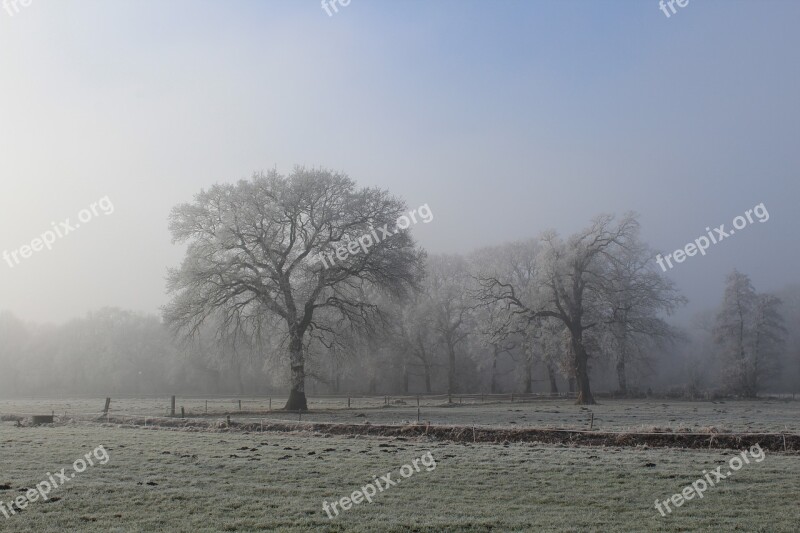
x: 614, y: 415
x: 167, y: 480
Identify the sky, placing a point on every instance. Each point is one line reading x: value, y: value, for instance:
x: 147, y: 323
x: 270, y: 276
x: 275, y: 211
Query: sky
x: 507, y: 118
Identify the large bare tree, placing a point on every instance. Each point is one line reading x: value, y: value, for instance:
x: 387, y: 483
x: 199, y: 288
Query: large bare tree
x: 573, y: 282
x: 297, y: 247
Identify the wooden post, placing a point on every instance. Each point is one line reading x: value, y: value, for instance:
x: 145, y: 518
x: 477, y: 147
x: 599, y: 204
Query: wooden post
x: 512, y: 397
x: 591, y: 422
x: 348, y: 402
x: 449, y: 398
x: 206, y: 406
x: 108, y: 405
x: 270, y: 404
x: 183, y: 414
x: 417, y: 413
x: 240, y: 405
x: 172, y: 407
x: 299, y: 416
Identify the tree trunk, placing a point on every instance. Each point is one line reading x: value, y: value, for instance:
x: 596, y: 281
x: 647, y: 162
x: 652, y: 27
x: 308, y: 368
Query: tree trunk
x: 582, y: 374
x: 551, y: 373
x: 427, y: 379
x: 528, y: 375
x: 494, y: 372
x: 622, y: 356
x: 239, y: 381
x: 623, y: 380
x: 297, y: 395
x: 451, y: 374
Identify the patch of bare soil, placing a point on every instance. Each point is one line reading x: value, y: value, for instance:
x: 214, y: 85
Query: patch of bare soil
x: 774, y: 442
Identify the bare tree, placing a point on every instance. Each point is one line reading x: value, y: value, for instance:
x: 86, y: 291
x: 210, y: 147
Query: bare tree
x: 573, y: 283
x: 447, y: 286
x: 750, y: 335
x: 266, y: 247
x: 734, y: 329
x: 637, y: 295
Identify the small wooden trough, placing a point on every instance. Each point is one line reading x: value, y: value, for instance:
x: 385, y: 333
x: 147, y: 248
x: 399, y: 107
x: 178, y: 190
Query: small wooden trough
x: 42, y: 419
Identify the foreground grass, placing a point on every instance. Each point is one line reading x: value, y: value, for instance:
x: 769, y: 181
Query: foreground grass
x: 203, y: 481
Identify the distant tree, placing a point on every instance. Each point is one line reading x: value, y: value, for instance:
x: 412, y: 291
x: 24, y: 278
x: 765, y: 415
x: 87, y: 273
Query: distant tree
x: 297, y: 247
x: 14, y: 349
x: 416, y: 338
x: 447, y: 287
x: 508, y: 329
x: 768, y: 341
x: 749, y: 333
x: 637, y: 296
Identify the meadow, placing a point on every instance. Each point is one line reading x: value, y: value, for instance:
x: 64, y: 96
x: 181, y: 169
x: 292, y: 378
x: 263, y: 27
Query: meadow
x: 169, y: 479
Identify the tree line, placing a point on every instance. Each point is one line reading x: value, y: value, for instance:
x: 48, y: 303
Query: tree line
x: 253, y: 310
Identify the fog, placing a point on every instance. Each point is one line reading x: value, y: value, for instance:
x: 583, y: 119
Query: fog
x: 507, y: 119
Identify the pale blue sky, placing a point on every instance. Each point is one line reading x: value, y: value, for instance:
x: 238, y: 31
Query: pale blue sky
x: 507, y: 118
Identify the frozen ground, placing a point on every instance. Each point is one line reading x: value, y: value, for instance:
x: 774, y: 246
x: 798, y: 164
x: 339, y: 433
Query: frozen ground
x: 612, y: 415
x: 164, y: 480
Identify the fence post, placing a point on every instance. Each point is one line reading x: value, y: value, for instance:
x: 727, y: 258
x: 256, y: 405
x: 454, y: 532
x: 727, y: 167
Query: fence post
x: 206, y: 406
x: 183, y: 413
x: 512, y: 397
x: 348, y: 402
x: 417, y: 414
x: 270, y: 404
x: 108, y: 405
x: 172, y: 407
x: 240, y: 405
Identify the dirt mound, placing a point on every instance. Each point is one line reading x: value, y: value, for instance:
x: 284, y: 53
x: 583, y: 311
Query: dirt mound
x: 774, y: 442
